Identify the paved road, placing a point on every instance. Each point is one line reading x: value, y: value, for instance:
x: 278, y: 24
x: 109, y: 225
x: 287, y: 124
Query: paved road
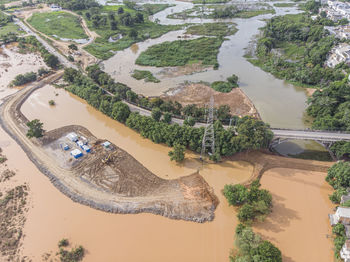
x: 279, y: 133
x: 311, y: 135
x: 63, y: 60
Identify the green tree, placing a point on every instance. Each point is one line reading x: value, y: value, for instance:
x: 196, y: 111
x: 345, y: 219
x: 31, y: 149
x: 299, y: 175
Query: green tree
x: 120, y: 111
x: 236, y: 194
x: 35, y: 128
x: 156, y: 114
x: 167, y: 117
x: 73, y: 47
x: 51, y: 60
x: 189, y: 121
x: 178, y: 153
x: 266, y: 252
x: 339, y: 175
x: 133, y: 33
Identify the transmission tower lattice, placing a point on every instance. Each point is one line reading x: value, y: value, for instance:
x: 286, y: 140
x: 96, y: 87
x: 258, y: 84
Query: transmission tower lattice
x: 208, y: 142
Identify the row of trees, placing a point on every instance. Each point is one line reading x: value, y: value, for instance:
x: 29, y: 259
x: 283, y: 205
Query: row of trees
x: 74, y: 4
x: 100, y: 20
x: 249, y: 133
x: 104, y: 80
x: 252, y: 248
x: 22, y: 79
x: 254, y: 204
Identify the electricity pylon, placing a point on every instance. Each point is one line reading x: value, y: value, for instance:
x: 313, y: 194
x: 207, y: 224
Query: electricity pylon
x: 208, y: 142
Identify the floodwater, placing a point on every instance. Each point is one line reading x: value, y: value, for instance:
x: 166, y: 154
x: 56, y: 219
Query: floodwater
x: 299, y: 223
x: 112, y: 237
x: 147, y: 237
x: 13, y: 63
x: 280, y: 104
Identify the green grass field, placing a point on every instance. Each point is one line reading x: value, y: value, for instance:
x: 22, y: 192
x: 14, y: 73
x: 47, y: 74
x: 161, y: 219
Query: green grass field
x: 10, y: 27
x: 182, y: 52
x: 60, y: 24
x: 6, y: 26
x: 212, y: 29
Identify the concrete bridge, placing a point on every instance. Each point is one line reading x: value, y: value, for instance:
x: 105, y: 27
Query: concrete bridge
x: 325, y: 138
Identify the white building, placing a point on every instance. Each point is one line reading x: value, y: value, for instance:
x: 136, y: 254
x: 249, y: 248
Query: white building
x: 342, y: 215
x: 345, y: 251
x: 55, y: 8
x: 339, y: 54
x: 72, y: 137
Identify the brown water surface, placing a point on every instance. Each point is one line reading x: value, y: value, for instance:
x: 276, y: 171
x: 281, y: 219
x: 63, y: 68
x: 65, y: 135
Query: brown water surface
x: 299, y: 222
x: 113, y: 237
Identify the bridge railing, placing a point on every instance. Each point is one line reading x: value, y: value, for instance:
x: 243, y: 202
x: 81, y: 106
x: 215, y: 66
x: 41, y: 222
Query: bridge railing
x: 313, y: 130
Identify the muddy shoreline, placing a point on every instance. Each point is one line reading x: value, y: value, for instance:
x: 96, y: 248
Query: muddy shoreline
x: 161, y: 208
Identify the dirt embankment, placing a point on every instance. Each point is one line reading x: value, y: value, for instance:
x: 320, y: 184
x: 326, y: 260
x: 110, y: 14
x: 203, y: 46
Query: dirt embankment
x: 199, y: 94
x: 264, y: 161
x: 122, y: 185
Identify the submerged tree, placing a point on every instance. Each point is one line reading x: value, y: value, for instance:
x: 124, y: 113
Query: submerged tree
x: 178, y: 153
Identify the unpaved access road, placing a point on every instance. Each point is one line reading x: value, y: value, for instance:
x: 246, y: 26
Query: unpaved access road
x: 172, y: 201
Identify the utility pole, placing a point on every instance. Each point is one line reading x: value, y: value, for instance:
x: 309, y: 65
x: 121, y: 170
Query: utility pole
x: 208, y: 142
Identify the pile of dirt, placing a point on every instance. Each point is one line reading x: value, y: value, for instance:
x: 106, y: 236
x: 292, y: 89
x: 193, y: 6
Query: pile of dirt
x: 199, y: 94
x: 114, y: 171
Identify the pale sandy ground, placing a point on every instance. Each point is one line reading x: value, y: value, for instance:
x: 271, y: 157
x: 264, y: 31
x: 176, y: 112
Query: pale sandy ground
x: 299, y: 222
x: 13, y: 63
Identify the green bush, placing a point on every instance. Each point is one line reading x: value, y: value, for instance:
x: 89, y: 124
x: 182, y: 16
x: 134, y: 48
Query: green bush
x: 178, y: 153
x: 254, y: 203
x: 24, y: 79
x: 252, y: 248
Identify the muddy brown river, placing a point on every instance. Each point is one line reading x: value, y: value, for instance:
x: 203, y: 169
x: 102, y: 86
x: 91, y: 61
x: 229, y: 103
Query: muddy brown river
x: 142, y: 237
x: 146, y: 237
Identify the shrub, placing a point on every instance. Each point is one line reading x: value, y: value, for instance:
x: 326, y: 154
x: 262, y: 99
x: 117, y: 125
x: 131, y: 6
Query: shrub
x: 24, y: 79
x: 178, y: 153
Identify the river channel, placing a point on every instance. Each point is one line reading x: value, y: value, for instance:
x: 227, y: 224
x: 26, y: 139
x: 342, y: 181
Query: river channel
x: 280, y: 104
x: 147, y: 237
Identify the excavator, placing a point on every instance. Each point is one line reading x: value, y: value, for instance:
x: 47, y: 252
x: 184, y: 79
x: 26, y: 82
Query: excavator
x: 108, y: 158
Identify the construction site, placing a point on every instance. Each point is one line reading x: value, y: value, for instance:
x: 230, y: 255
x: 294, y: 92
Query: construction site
x: 101, y: 175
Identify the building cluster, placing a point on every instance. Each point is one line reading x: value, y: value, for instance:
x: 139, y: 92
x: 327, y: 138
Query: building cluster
x: 341, y: 31
x: 337, y: 10
x: 342, y: 215
x: 339, y: 54
x: 81, y: 143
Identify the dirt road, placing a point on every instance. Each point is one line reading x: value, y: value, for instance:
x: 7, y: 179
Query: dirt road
x: 172, y: 202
